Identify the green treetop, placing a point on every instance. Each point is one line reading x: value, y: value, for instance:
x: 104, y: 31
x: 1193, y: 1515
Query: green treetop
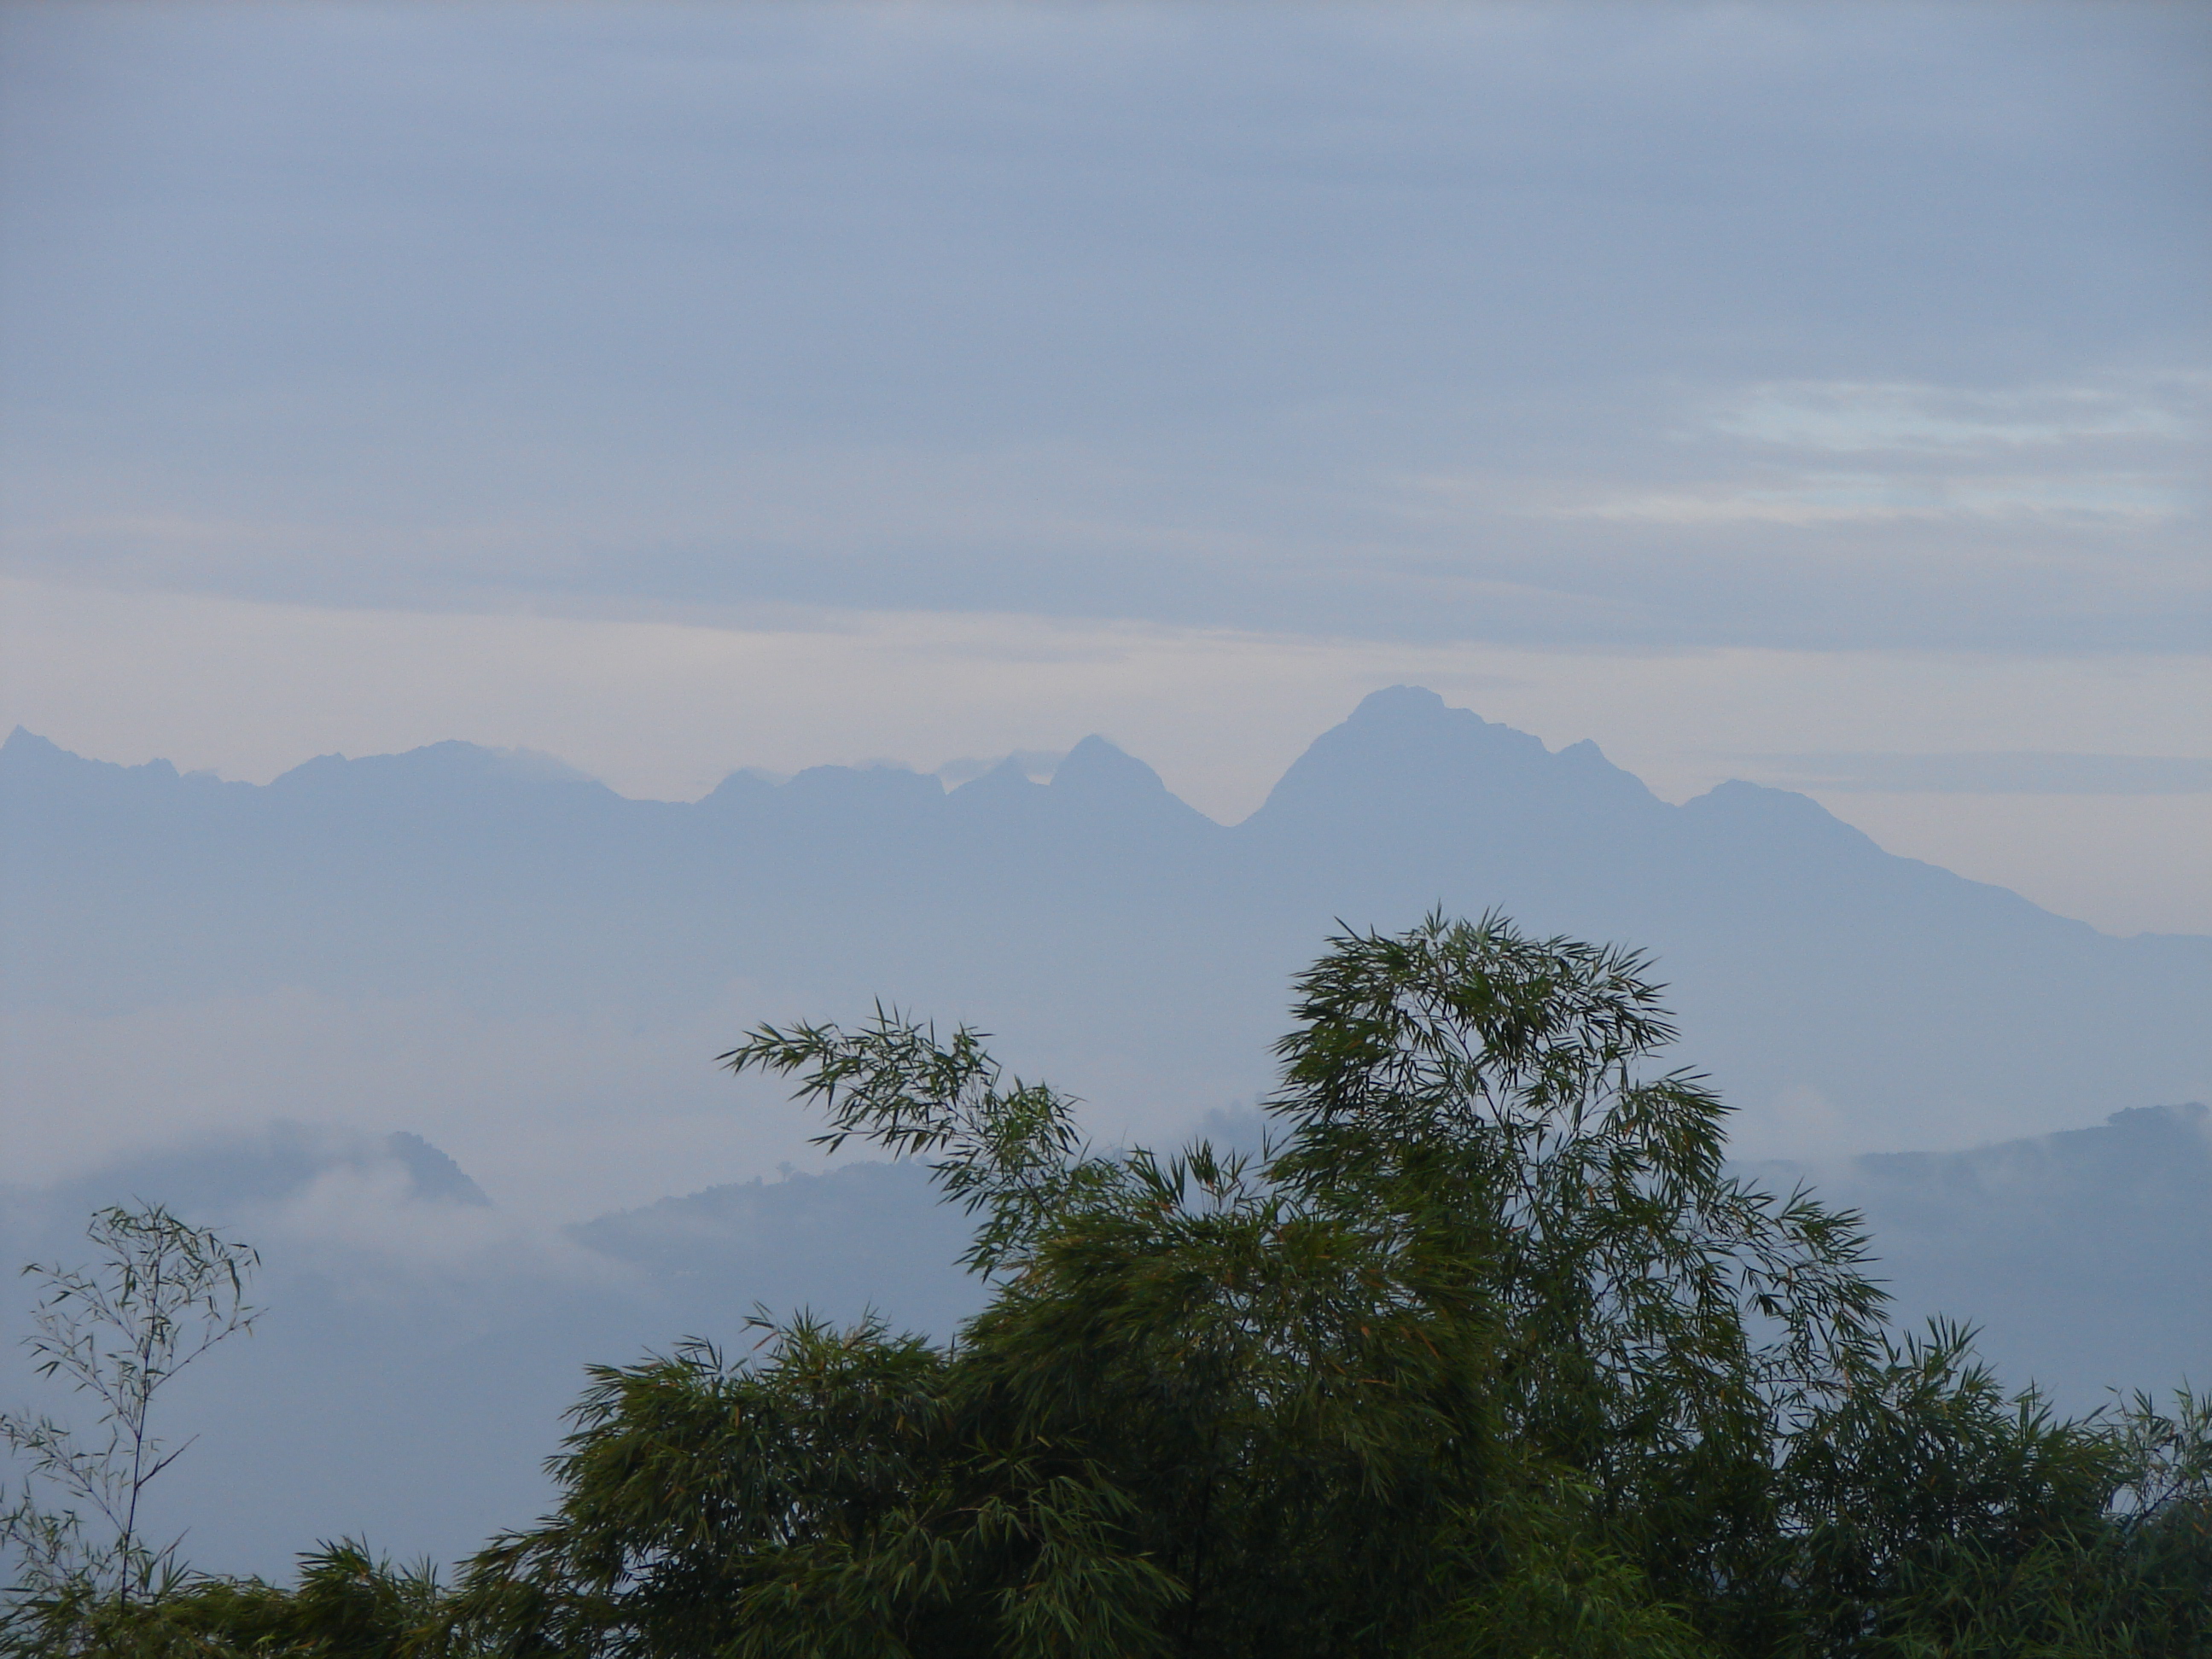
x: 1486, y: 1353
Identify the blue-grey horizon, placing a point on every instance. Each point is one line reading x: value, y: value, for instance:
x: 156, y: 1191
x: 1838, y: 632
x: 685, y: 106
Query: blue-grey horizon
x: 674, y: 388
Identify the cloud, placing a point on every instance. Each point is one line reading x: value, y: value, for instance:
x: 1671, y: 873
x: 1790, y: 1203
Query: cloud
x: 1551, y: 326
x: 2115, y: 453
x: 1037, y: 764
x: 361, y: 1224
x: 1851, y: 417
x: 1873, y: 498
x: 2008, y: 772
x: 555, y: 1115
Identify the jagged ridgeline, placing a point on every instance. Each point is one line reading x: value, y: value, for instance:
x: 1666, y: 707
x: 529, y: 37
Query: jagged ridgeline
x: 1129, y: 940
x: 1111, y: 938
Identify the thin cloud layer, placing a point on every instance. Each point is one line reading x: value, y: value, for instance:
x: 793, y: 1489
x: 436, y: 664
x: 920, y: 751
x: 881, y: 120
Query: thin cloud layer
x: 2008, y: 772
x: 1799, y: 326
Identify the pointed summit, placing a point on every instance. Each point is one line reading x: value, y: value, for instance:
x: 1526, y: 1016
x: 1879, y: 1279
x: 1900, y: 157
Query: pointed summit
x: 1405, y: 705
x: 1096, y: 768
x: 1405, y: 754
x: 1104, y: 781
x: 1009, y: 778
x: 31, y: 765
x: 26, y: 754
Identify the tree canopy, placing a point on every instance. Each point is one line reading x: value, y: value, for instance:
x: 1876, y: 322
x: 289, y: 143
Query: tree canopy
x: 1485, y: 1352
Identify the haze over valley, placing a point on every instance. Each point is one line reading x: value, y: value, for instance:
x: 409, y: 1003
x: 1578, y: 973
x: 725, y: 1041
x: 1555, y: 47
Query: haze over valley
x: 339, y: 1009
x: 540, y: 967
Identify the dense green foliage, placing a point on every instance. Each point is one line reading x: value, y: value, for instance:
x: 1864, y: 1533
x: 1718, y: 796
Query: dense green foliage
x: 1486, y: 1354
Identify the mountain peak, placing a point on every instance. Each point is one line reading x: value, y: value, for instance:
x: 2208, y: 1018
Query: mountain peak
x: 1404, y: 752
x: 1770, y: 812
x: 27, y: 753
x: 29, y: 761
x: 431, y: 1172
x: 1011, y: 776
x: 1397, y: 703
x: 1104, y: 782
x: 1411, y: 721
x: 1095, y: 767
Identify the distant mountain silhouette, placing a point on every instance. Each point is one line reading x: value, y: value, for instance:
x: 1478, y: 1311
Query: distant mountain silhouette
x: 1134, y: 949
x: 227, y: 1177
x: 417, y: 1350
x: 2085, y: 1257
x: 861, y: 1238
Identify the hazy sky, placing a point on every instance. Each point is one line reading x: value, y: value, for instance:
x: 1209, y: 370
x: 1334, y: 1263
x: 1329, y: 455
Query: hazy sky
x: 1816, y: 394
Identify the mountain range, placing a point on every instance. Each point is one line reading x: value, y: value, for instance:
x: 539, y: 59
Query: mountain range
x: 222, y: 996
x: 1844, y: 999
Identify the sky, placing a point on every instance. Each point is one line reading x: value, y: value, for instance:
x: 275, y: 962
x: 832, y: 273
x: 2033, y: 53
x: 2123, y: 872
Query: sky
x: 1816, y: 394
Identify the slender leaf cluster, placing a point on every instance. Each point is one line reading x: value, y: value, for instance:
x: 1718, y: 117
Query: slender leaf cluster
x: 161, y: 1294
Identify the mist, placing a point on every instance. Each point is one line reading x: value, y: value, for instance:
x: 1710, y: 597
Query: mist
x: 535, y: 540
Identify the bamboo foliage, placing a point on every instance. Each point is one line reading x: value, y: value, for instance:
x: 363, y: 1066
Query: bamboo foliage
x: 1484, y: 1355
